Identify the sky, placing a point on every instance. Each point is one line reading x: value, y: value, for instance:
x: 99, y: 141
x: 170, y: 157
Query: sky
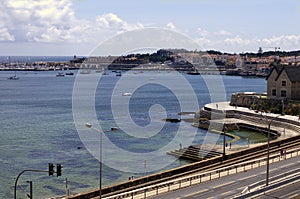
x: 76, y: 27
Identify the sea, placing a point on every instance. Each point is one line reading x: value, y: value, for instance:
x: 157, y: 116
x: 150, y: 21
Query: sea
x: 37, y: 126
x: 31, y: 59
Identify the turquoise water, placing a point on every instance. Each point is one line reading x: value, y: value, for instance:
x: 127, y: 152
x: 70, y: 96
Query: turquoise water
x: 252, y: 136
x: 37, y: 127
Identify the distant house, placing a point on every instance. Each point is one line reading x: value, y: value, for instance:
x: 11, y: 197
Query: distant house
x: 249, y: 66
x: 284, y: 82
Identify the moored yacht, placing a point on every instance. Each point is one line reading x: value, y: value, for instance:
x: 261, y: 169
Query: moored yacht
x: 60, y: 74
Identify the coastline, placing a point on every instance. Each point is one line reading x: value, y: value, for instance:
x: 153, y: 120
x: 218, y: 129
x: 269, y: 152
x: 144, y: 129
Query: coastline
x: 232, y: 153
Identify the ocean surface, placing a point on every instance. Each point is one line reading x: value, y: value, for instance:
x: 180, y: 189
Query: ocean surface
x: 37, y: 128
x: 29, y: 59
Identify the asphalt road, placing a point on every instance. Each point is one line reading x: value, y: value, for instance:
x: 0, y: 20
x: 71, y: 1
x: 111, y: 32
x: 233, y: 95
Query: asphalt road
x: 288, y: 192
x: 229, y: 186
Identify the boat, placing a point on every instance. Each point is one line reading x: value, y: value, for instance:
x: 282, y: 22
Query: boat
x: 118, y: 74
x: 105, y: 72
x: 60, y: 74
x: 85, y: 72
x: 69, y: 73
x: 193, y: 73
x: 174, y: 120
x: 127, y: 94
x: 14, y: 77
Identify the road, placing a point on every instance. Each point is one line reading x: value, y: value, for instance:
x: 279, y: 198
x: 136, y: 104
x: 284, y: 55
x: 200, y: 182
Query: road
x: 229, y: 186
x: 291, y: 191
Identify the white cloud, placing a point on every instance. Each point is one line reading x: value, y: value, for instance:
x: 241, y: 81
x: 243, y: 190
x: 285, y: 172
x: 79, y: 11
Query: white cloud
x: 32, y: 20
x: 281, y: 41
x: 202, y: 32
x: 203, y: 42
x: 285, y: 42
x: 5, y: 35
x: 237, y: 40
x: 171, y: 26
x: 223, y: 33
x: 111, y: 21
x: 54, y: 21
x: 244, y: 44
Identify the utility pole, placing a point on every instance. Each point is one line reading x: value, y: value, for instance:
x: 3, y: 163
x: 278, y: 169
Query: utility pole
x: 67, y: 187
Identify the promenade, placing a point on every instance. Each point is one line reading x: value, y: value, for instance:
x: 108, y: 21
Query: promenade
x: 226, y: 107
x: 239, y: 158
x: 253, y: 118
x: 216, y: 116
x: 280, y: 124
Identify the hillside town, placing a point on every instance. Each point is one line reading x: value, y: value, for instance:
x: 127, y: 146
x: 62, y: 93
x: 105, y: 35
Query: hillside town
x: 210, y: 62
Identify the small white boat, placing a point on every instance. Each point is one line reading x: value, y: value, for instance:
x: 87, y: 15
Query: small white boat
x: 85, y: 72
x: 60, y: 74
x: 105, y: 72
x: 127, y: 94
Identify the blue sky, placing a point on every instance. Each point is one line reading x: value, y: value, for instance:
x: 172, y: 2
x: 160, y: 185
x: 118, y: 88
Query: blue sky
x: 68, y: 27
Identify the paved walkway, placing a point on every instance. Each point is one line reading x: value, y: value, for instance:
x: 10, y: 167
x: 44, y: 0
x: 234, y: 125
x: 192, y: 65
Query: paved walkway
x: 224, y: 106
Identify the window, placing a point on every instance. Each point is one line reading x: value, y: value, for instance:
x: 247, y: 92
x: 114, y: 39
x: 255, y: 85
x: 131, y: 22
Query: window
x: 283, y: 83
x: 273, y: 92
x: 283, y: 93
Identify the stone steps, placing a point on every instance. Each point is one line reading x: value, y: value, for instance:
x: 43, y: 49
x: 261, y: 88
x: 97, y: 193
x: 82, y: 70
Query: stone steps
x: 195, y: 153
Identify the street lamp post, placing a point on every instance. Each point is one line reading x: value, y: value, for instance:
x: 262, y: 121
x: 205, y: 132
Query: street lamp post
x: 224, y: 140
x: 269, y: 121
x: 282, y: 107
x: 248, y: 142
x: 145, y: 167
x: 88, y: 125
x: 268, y: 153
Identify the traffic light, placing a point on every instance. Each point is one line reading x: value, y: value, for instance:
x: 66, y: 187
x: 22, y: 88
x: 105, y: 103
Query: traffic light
x: 51, y: 169
x: 58, y: 169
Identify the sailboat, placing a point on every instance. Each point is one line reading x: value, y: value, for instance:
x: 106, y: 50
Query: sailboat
x: 14, y: 77
x: 60, y: 74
